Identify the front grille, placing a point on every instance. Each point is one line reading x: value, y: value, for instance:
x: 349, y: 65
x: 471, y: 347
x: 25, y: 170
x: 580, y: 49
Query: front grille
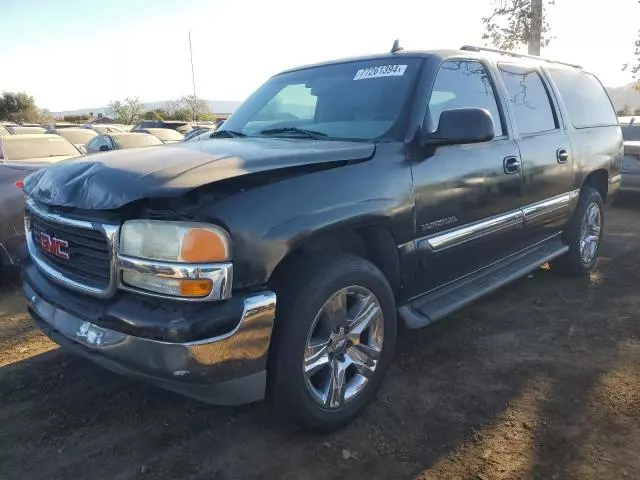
x: 88, y: 251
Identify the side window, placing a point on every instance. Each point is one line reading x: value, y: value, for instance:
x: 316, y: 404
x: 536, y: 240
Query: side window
x: 529, y: 99
x: 587, y: 102
x: 94, y: 142
x: 463, y: 84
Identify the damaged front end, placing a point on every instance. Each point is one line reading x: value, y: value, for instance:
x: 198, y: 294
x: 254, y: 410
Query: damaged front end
x: 132, y: 255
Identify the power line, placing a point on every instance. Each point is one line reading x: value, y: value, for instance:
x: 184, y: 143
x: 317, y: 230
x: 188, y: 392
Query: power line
x: 193, y: 81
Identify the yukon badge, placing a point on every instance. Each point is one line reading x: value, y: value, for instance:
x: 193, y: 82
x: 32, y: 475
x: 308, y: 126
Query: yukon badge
x: 437, y: 224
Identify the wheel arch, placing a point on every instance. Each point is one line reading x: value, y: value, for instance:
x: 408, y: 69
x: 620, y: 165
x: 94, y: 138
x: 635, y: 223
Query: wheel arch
x: 371, y: 241
x: 598, y: 179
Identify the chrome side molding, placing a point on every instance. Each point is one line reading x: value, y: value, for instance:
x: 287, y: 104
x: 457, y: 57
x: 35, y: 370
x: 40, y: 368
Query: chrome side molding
x: 475, y: 230
x: 514, y: 219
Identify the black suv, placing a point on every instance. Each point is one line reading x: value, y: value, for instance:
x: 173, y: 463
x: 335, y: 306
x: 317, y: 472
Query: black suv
x: 359, y: 194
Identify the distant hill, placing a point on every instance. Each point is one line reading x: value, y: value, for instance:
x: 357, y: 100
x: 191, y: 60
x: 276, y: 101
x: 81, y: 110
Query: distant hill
x: 620, y: 96
x: 625, y: 96
x: 216, y: 106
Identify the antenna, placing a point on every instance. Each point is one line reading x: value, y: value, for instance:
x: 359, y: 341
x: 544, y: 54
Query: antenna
x: 193, y: 81
x: 396, y: 46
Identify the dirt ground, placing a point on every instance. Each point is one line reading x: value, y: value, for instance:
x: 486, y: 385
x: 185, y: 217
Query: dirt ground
x: 541, y: 380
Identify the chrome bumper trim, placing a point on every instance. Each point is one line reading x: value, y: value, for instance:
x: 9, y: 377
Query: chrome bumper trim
x: 220, y: 274
x: 238, y: 354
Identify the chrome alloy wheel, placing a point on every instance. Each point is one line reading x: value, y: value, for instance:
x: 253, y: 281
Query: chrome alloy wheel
x: 590, y: 233
x: 343, y: 347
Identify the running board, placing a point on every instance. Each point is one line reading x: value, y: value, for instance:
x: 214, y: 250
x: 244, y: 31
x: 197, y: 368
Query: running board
x: 447, y: 299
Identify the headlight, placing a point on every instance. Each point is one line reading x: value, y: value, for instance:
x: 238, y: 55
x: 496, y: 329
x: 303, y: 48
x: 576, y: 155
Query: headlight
x: 175, y: 242
x: 183, y: 242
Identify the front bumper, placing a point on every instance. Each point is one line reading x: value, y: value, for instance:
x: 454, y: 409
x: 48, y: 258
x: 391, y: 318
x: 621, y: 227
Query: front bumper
x: 226, y: 369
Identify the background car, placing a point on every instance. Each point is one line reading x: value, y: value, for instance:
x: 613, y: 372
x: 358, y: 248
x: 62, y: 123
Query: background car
x: 21, y: 155
x: 4, y: 131
x: 631, y: 161
x: 20, y: 130
x: 182, y: 127
x: 198, y: 130
x: 167, y: 135
x: 121, y: 140
x: 103, y: 128
x: 78, y: 136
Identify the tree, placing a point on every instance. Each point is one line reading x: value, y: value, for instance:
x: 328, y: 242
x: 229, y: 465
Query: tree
x: 182, y: 114
x: 44, y: 116
x: 196, y: 106
x: 18, y: 107
x: 635, y: 67
x: 513, y: 23
x: 156, y: 114
x: 126, y: 111
x: 171, y: 107
x: 75, y: 118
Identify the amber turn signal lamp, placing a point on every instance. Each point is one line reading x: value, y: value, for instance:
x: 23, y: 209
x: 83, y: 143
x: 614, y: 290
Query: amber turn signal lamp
x: 201, y: 246
x: 195, y: 288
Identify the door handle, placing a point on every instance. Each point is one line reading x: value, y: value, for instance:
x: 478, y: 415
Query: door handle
x: 562, y: 155
x: 511, y: 165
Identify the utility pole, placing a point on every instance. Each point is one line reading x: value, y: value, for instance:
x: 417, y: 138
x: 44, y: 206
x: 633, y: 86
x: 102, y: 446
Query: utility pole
x: 193, y: 81
x: 535, y: 27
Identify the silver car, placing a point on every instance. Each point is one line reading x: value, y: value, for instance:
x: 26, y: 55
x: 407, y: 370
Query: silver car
x: 631, y: 160
x: 21, y: 155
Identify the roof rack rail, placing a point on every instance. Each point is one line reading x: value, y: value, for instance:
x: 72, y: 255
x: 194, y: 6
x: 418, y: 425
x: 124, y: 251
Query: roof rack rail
x: 472, y: 48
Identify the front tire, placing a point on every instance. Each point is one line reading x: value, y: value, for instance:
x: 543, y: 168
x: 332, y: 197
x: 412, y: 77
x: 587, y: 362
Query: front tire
x: 583, y: 234
x: 334, y: 337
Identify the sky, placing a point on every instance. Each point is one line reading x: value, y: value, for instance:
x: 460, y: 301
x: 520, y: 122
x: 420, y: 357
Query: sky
x: 72, y: 54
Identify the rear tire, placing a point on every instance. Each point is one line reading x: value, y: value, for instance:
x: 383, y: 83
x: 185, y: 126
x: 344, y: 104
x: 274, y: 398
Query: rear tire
x: 583, y: 234
x: 333, y: 340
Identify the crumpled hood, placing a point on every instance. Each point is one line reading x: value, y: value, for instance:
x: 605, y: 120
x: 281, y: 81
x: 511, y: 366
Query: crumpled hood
x: 109, y: 180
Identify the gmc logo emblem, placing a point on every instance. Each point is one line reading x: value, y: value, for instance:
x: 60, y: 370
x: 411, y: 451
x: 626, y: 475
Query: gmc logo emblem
x: 53, y: 245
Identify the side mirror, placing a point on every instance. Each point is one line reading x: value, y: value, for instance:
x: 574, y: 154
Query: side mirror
x: 104, y: 148
x: 462, y: 125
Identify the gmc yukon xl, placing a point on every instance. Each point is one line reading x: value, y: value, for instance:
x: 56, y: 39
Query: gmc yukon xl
x: 278, y: 258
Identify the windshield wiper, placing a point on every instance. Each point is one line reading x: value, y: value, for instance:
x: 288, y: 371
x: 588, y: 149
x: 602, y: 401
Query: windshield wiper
x: 302, y: 131
x: 227, y: 133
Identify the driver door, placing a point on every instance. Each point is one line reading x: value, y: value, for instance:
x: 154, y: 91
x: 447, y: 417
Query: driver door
x: 468, y: 197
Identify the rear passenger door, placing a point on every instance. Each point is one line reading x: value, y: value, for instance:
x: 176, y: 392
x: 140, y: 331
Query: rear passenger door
x: 545, y: 149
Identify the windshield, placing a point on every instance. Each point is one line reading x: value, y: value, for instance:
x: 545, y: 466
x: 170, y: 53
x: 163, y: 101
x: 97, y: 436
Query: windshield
x: 37, y: 147
x: 79, y: 136
x: 353, y: 101
x: 134, y: 140
x: 631, y: 133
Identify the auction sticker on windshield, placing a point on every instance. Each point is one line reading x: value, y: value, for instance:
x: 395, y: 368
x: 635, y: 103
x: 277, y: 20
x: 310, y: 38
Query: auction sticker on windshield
x: 381, y: 71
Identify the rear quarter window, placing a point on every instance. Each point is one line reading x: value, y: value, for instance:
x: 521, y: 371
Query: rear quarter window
x: 584, y: 96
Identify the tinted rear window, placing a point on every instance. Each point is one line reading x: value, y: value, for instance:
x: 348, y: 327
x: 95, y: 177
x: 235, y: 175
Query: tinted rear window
x: 586, y: 100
